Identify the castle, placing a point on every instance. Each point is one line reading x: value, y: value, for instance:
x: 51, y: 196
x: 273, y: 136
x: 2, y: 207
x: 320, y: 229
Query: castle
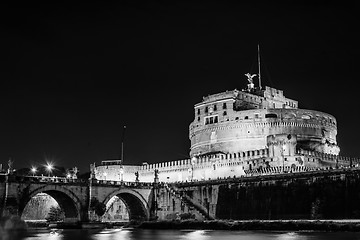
x: 241, y: 133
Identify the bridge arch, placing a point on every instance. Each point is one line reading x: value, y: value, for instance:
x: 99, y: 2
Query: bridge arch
x: 67, y: 200
x: 136, y: 204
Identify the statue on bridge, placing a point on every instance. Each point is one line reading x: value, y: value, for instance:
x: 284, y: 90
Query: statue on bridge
x: 10, y: 166
x: 92, y: 171
x: 156, y: 172
x: 136, y: 176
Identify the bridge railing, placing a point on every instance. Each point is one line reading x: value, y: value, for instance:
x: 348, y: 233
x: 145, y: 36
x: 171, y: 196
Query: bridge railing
x: 36, y: 179
x: 121, y: 183
x: 64, y: 180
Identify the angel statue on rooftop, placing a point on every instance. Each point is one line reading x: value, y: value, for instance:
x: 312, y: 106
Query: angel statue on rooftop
x: 250, y: 77
x: 250, y: 80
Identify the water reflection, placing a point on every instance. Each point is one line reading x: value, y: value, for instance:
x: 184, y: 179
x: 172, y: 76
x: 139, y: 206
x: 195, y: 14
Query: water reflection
x: 291, y: 236
x: 197, y: 234
x: 112, y: 234
x: 146, y: 234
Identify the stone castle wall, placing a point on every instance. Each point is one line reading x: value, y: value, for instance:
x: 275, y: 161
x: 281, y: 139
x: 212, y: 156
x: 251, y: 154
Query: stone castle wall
x: 280, y: 156
x: 248, y: 130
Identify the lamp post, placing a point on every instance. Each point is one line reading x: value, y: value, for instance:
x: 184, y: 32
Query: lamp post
x: 49, y: 168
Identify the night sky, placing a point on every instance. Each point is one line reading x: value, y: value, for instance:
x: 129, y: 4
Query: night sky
x: 73, y: 75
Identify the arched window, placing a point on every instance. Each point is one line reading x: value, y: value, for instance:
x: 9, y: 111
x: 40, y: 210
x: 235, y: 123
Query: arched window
x: 224, y: 106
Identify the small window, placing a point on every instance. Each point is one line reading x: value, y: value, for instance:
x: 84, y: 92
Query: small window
x: 270, y: 115
x: 211, y: 119
x: 225, y: 113
x: 224, y: 106
x: 246, y: 117
x: 215, y: 107
x: 198, y: 111
x: 237, y: 118
x: 206, y: 109
x: 198, y: 119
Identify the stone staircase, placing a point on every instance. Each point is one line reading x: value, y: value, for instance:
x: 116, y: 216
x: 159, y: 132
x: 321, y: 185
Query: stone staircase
x: 189, y: 202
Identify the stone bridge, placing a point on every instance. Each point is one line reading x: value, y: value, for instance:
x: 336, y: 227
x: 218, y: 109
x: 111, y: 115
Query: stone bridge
x: 74, y: 195
x: 326, y: 194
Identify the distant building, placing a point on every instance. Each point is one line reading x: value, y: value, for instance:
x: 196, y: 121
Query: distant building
x: 116, y: 211
x: 39, y: 207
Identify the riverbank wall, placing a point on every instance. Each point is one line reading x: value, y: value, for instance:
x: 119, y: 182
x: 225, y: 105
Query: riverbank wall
x: 263, y: 225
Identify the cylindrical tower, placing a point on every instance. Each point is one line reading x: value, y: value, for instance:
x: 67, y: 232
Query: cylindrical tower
x: 238, y: 121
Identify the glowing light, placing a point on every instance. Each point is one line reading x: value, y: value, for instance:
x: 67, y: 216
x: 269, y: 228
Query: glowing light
x: 33, y: 170
x: 49, y: 168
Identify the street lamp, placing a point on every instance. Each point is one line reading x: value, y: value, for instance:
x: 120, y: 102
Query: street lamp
x: 33, y: 170
x: 49, y: 168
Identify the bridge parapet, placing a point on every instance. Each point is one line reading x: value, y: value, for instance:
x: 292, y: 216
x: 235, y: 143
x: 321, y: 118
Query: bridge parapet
x: 121, y: 183
x: 39, y: 179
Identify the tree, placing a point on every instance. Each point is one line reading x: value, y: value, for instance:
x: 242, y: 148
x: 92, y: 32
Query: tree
x: 55, y: 214
x: 98, y: 207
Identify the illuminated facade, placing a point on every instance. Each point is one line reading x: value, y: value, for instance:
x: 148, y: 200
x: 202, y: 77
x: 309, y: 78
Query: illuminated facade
x: 239, y: 121
x: 239, y: 133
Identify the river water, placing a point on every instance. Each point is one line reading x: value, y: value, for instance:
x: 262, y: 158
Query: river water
x: 140, y: 234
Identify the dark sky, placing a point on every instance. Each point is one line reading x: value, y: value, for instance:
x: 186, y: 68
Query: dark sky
x: 73, y: 75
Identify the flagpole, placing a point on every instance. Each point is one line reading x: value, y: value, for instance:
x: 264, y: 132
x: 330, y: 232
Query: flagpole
x: 259, y: 66
x: 122, y: 145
